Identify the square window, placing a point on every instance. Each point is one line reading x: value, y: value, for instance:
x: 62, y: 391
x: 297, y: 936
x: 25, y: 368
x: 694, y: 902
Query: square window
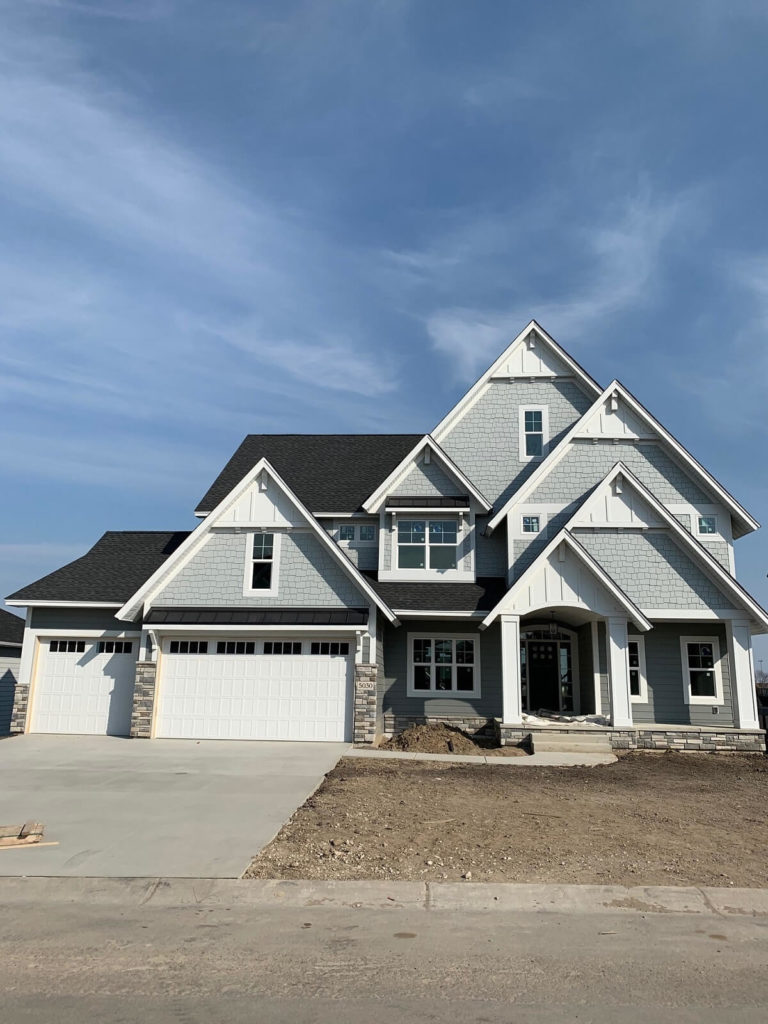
x: 346, y: 532
x: 707, y: 524
x: 367, y: 533
x: 442, y: 558
x: 531, y: 524
x: 703, y: 683
x: 411, y: 556
x: 262, y: 545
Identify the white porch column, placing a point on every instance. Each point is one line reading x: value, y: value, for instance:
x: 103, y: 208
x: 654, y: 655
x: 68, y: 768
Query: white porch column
x: 739, y: 635
x: 511, y: 695
x: 621, y: 705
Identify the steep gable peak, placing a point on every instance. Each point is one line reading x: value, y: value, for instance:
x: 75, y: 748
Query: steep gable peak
x: 617, y: 501
x: 533, y: 353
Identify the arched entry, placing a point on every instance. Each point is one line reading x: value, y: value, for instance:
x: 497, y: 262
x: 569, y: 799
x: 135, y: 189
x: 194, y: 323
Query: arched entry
x: 548, y: 668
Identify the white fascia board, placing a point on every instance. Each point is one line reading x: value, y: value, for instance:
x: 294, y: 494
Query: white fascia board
x: 688, y: 460
x: 195, y: 540
x: 64, y: 604
x: 564, y: 537
x: 374, y: 502
x: 590, y: 385
x: 716, y: 572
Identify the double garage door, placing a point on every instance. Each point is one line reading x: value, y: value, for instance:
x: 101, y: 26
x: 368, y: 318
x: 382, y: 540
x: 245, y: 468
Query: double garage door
x: 206, y: 688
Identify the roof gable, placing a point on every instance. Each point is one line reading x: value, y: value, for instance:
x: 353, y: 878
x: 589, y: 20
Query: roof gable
x: 240, y: 502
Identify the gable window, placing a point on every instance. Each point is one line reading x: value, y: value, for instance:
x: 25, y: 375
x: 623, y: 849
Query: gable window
x: 349, y: 533
x: 701, y: 669
x: 367, y: 534
x: 707, y: 524
x: 638, y: 683
x: 443, y: 665
x: 346, y: 532
x: 261, y: 572
x: 534, y: 432
x: 427, y: 543
x: 531, y: 524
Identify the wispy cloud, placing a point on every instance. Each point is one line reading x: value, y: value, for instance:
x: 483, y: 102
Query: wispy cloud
x: 621, y: 259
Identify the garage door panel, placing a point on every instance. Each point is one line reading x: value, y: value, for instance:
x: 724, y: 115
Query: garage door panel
x: 263, y: 697
x: 88, y: 691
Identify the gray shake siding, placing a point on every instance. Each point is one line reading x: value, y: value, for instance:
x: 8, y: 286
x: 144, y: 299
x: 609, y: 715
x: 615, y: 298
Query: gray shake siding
x: 308, y: 576
x: 587, y: 462
x: 427, y: 481
x: 393, y: 696
x: 664, y: 668
x: 491, y: 551
x: 485, y: 441
x: 652, y: 570
x: 9, y: 672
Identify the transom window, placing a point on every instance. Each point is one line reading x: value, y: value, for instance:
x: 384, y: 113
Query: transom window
x: 262, y: 556
x: 67, y: 646
x: 188, y: 647
x: 707, y: 524
x: 531, y: 524
x: 328, y: 647
x: 115, y: 647
x: 282, y: 646
x: 701, y: 657
x: 427, y: 543
x: 534, y: 432
x: 638, y: 685
x: 444, y: 665
x: 235, y: 647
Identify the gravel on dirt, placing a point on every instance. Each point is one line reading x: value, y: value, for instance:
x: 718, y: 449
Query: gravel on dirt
x: 648, y: 819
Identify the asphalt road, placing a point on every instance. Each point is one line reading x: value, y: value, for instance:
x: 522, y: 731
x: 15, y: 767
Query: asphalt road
x: 71, y: 963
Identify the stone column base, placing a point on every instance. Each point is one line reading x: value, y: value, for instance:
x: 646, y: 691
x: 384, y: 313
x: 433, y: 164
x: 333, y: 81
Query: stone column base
x: 20, y: 708
x: 143, y: 700
x: 365, y: 703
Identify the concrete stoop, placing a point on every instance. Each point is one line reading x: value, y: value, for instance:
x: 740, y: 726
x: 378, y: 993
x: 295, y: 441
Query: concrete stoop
x: 555, y: 741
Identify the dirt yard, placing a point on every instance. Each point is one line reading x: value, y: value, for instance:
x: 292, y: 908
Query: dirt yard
x: 649, y: 819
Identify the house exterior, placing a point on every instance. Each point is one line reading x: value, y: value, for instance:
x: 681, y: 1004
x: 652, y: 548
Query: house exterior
x: 548, y: 547
x: 11, y: 636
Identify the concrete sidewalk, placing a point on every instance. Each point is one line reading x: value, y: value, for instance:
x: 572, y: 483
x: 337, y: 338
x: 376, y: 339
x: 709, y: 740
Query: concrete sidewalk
x: 428, y: 896
x: 546, y: 759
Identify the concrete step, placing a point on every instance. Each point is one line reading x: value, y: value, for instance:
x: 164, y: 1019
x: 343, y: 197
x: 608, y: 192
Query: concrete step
x: 574, y: 743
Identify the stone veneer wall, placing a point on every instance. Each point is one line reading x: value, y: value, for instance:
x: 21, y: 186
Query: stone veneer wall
x: 365, y: 703
x: 746, y: 741
x: 20, y: 706
x: 143, y: 700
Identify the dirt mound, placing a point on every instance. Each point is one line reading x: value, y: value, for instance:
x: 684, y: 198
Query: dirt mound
x: 433, y: 739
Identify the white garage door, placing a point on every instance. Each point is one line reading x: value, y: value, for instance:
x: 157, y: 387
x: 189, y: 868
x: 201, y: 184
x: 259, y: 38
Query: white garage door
x: 85, y: 686
x: 256, y: 689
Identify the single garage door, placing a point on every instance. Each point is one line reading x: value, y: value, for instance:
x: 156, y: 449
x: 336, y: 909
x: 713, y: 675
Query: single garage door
x: 85, y: 686
x: 256, y: 689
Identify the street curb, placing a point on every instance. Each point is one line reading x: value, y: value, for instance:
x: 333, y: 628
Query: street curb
x: 429, y: 896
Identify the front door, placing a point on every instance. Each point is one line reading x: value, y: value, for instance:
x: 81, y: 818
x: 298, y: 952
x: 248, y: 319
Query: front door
x: 543, y: 676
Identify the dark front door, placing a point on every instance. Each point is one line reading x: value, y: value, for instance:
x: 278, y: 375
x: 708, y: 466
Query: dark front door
x: 543, y: 676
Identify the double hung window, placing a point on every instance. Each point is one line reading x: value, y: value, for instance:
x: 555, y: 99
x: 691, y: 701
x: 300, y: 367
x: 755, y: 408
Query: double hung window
x: 638, y: 686
x: 534, y: 432
x: 701, y: 670
x: 427, y: 544
x: 262, y: 561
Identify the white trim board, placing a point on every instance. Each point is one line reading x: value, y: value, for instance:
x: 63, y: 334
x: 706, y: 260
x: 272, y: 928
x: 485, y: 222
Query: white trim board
x: 189, y: 547
x: 64, y: 604
x: 617, y: 391
x: 495, y: 369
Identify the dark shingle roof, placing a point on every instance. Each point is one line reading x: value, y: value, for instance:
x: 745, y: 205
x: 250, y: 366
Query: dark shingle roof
x: 257, y: 616
x: 444, y: 597
x: 11, y: 628
x: 328, y: 472
x: 113, y: 570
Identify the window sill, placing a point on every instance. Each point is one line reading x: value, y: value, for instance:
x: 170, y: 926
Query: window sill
x: 444, y: 694
x: 704, y: 701
x: 272, y: 592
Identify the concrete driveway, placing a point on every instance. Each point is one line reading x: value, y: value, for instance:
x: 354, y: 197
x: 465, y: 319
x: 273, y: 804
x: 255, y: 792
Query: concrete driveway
x: 139, y: 808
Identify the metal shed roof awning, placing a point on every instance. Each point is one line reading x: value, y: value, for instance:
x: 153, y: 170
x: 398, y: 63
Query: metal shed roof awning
x: 402, y: 502
x: 257, y: 617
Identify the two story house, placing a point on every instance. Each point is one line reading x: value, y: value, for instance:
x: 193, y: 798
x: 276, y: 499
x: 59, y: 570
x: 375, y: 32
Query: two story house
x: 549, y: 549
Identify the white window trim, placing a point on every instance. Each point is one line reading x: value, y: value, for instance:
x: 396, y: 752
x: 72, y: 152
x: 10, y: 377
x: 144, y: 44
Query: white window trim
x: 544, y: 410
x: 687, y: 695
x: 542, y: 517
x: 248, y: 590
x: 444, y: 694
x: 642, y: 697
x: 428, y: 520
x: 707, y: 515
x: 357, y: 542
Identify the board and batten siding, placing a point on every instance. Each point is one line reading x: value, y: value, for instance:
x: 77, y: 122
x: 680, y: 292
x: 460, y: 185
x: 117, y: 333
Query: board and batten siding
x: 666, y: 680
x: 9, y: 674
x: 308, y: 576
x: 393, y: 680
x: 485, y: 442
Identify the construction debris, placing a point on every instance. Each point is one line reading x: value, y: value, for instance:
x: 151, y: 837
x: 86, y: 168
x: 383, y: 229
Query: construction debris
x: 21, y: 835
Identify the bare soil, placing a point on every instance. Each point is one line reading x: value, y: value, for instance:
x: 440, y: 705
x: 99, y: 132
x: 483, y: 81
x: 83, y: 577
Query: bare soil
x: 446, y: 739
x: 649, y: 819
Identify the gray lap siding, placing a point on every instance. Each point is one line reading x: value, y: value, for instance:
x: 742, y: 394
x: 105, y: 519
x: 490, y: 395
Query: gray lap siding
x: 9, y: 673
x: 393, y: 699
x: 666, y: 684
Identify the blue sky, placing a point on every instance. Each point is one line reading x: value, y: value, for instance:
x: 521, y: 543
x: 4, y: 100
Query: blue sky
x: 233, y: 217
